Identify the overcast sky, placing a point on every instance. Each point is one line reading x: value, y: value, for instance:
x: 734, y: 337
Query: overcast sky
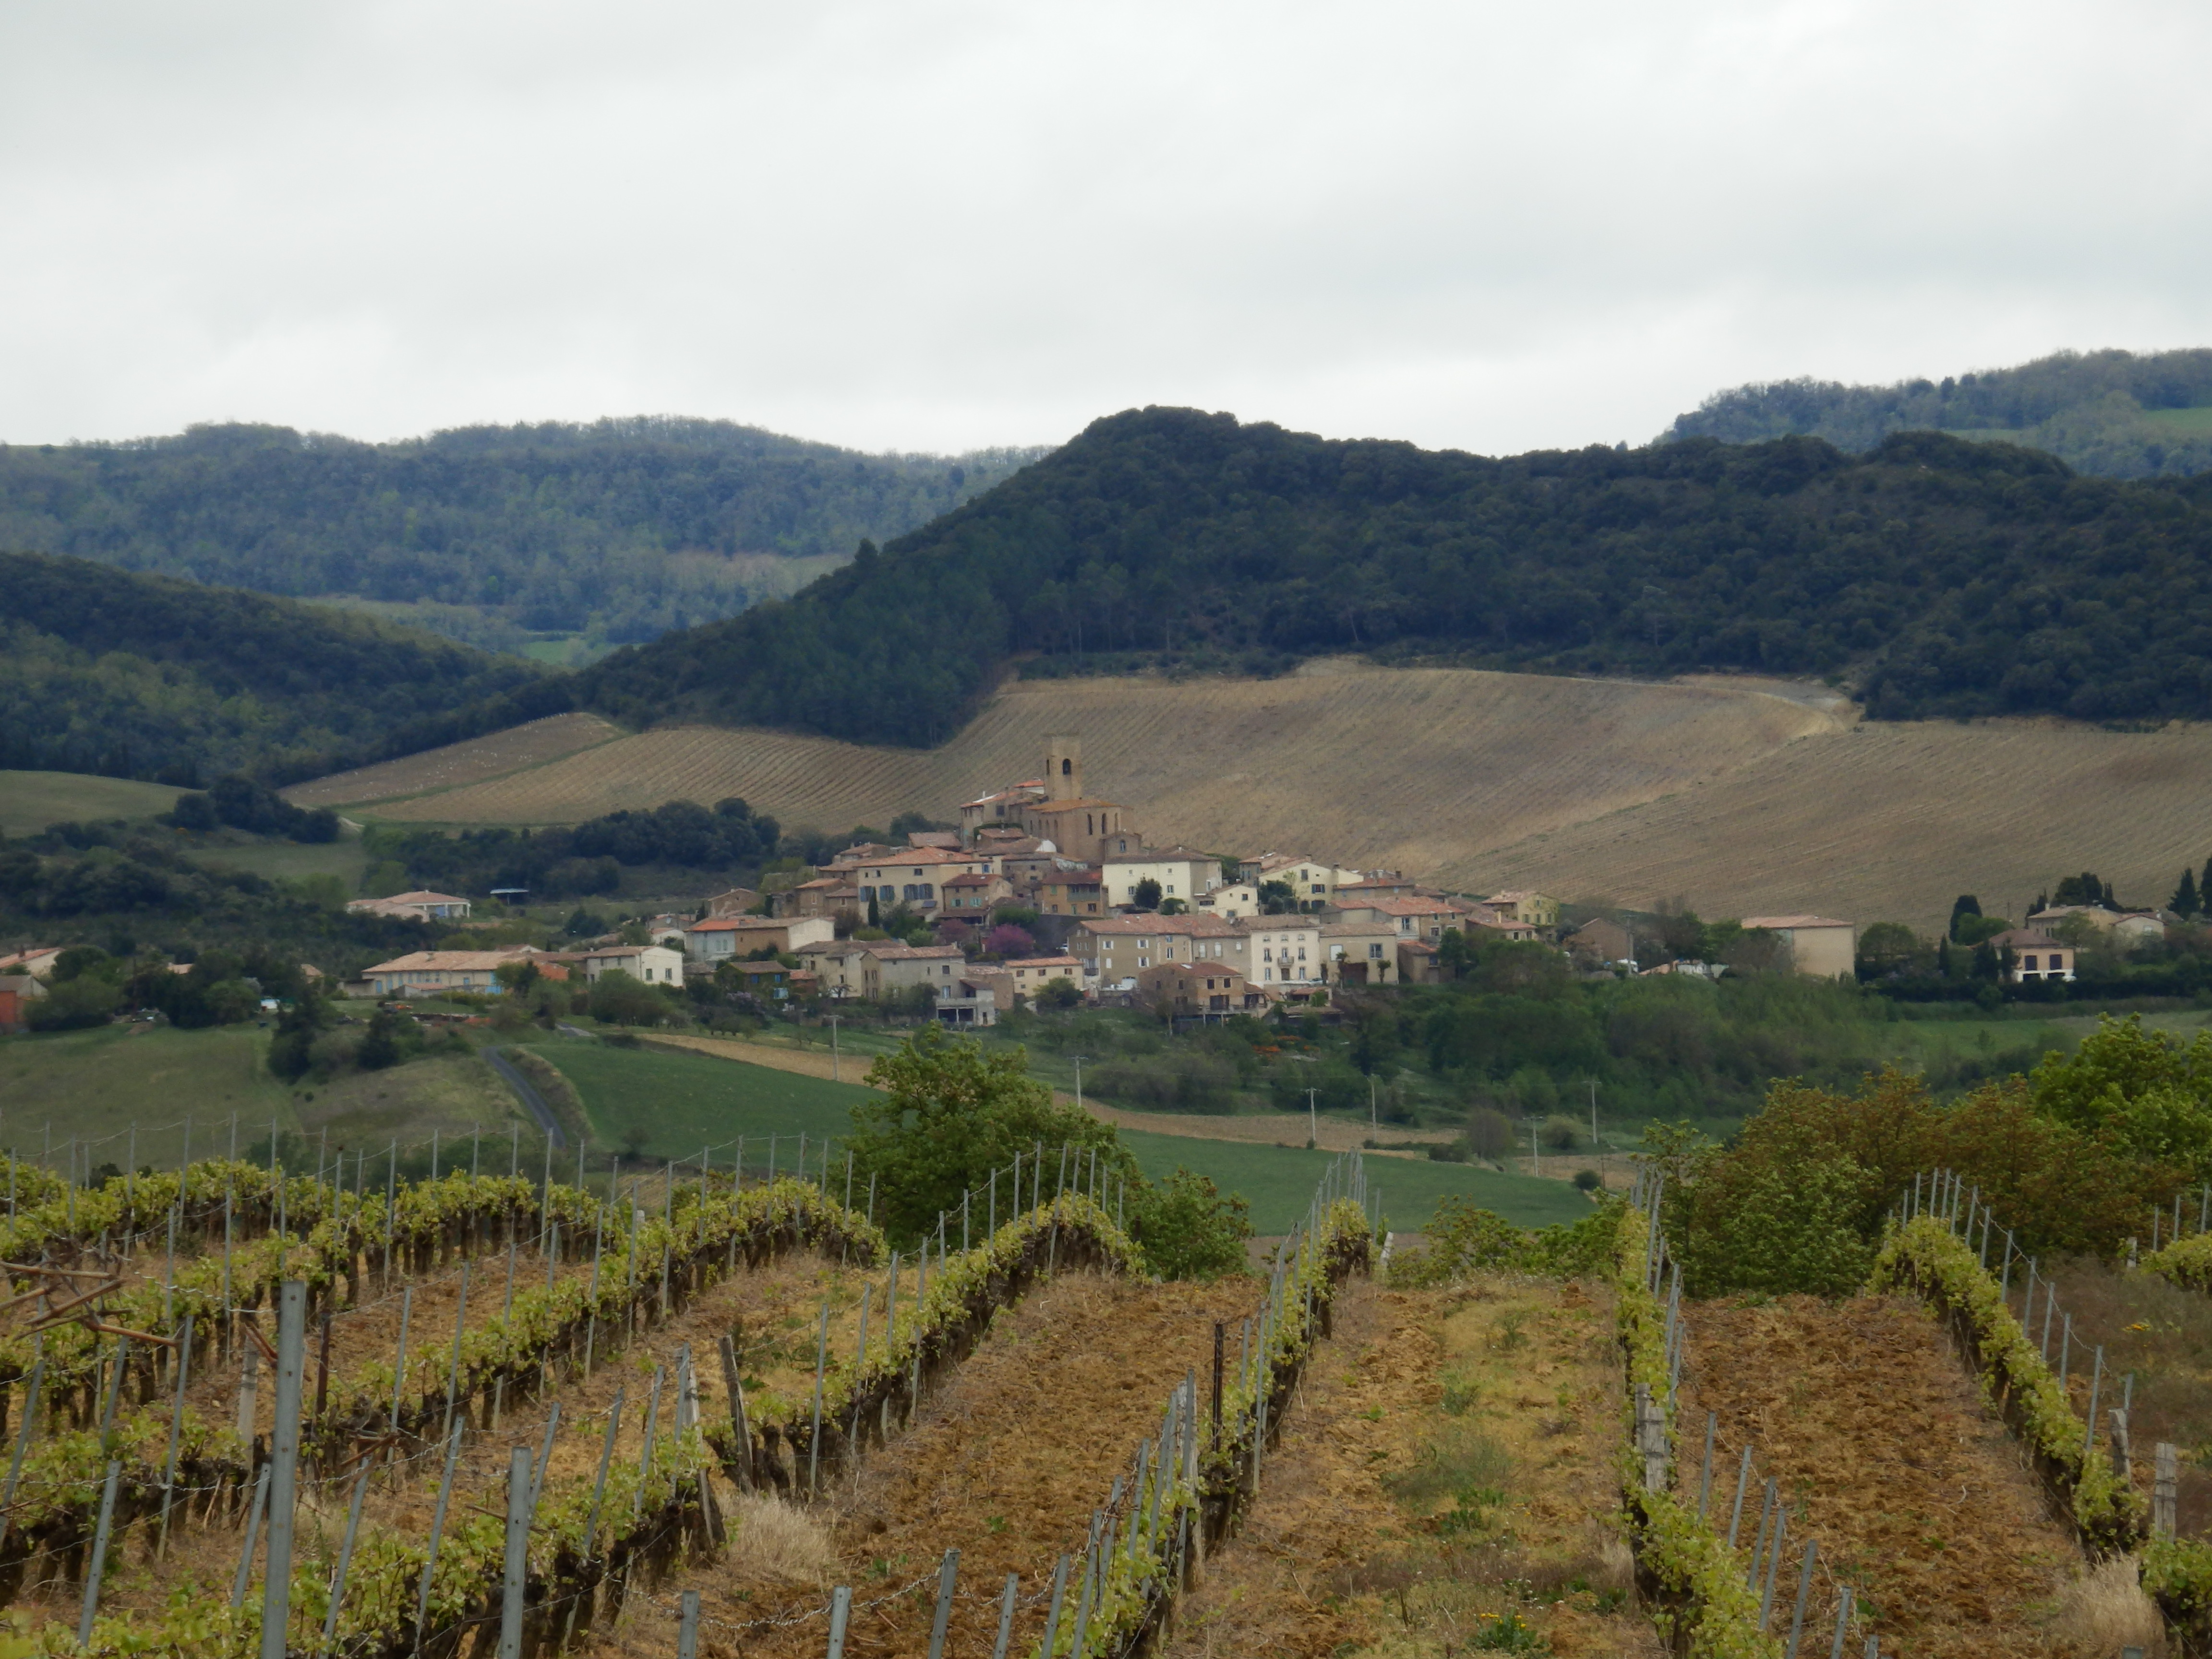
x: 932, y: 225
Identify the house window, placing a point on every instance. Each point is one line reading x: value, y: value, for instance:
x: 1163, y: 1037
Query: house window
x: 2028, y: 961
x: 1267, y: 973
x: 1374, y: 953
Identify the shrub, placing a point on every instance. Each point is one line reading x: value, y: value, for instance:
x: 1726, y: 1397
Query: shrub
x: 1189, y: 1229
x: 1588, y: 1181
x: 1561, y: 1134
x: 1489, y: 1132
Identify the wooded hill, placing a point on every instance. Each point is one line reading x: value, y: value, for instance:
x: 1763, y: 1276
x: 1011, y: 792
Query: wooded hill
x: 136, y: 676
x: 1940, y: 577
x: 617, y: 530
x: 2115, y: 414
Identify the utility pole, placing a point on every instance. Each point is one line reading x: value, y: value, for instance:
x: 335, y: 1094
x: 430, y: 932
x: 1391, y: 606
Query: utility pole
x: 1373, y: 1126
x: 1313, y: 1119
x: 1078, y: 1059
x: 835, y: 1075
x: 1535, y: 1159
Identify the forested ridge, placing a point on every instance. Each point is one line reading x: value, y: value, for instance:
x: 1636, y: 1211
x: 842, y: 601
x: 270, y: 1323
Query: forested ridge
x: 2116, y: 414
x: 136, y: 676
x: 1936, y: 576
x: 616, y: 529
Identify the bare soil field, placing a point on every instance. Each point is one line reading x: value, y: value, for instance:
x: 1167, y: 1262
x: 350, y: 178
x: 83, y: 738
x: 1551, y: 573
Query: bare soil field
x: 1918, y: 1498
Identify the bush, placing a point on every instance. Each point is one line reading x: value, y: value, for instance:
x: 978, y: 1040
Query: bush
x: 1489, y: 1132
x: 1561, y: 1134
x: 76, y: 1003
x: 1189, y: 1229
x: 1588, y: 1181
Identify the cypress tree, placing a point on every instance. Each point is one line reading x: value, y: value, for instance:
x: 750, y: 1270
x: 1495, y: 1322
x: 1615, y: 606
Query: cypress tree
x: 1967, y: 905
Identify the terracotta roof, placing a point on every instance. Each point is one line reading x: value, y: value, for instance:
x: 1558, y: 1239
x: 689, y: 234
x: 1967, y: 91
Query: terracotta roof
x: 920, y: 857
x: 968, y: 878
x: 1512, y: 897
x: 1045, y: 962
x: 740, y: 924
x: 452, y: 962
x: 1787, y: 922
x: 1201, y: 926
x: 2026, y: 938
x: 885, y: 949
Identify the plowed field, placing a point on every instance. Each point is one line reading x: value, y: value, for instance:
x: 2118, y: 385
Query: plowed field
x: 1886, y: 1456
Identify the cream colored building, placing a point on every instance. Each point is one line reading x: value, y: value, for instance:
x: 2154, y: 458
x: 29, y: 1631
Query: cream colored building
x: 725, y: 938
x: 1820, y: 946
x: 1535, y: 909
x: 1359, y: 953
x: 1182, y: 874
x: 1231, y: 899
x: 426, y: 973
x: 2035, y: 956
x: 651, y: 964
x: 1282, y: 949
x: 1314, y: 880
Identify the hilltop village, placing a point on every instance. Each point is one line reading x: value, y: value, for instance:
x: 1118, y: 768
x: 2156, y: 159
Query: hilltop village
x: 1045, y: 893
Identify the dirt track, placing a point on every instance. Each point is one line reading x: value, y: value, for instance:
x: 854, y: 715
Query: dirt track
x: 1885, y: 1455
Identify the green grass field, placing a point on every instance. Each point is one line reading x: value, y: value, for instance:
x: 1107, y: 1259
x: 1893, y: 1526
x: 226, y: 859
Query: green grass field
x: 672, y: 1104
x: 2192, y: 421
x: 289, y: 860
x: 95, y: 1084
x: 1279, y: 1181
x: 29, y: 801
x: 676, y: 1103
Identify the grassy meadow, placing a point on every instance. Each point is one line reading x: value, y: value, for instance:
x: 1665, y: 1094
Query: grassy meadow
x: 29, y: 801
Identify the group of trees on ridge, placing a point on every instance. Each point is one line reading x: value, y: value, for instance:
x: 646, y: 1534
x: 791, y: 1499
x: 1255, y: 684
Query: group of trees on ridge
x: 1941, y: 577
x: 2112, y: 413
x: 620, y: 528
x: 1936, y: 576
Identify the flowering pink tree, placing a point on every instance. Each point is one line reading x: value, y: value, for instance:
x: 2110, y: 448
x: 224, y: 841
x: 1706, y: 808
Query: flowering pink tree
x: 1008, y: 940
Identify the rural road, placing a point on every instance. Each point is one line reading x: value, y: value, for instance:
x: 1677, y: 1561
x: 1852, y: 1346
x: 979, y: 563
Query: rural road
x: 528, y: 1093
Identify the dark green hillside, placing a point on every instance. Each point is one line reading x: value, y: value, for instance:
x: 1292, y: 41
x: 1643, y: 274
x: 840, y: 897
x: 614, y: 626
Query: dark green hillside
x: 617, y: 530
x: 145, y: 677
x: 2114, y: 414
x: 1943, y: 577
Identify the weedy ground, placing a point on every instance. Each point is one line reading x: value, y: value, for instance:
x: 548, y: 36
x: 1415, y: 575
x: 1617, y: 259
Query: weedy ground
x: 1876, y: 1432
x: 1004, y: 1463
x: 1445, y: 1485
x: 2161, y: 1336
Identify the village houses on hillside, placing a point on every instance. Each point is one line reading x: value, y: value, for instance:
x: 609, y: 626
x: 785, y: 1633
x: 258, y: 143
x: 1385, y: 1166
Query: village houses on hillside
x: 1046, y: 891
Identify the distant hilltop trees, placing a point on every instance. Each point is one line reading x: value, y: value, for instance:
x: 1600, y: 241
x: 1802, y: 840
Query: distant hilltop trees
x: 2114, y: 414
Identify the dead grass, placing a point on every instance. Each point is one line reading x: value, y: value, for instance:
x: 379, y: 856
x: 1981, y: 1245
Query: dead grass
x: 2104, y: 1611
x: 773, y: 1542
x: 1885, y: 1454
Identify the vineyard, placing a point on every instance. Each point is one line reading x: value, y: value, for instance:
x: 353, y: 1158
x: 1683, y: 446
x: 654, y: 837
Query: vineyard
x: 406, y: 1406
x: 704, y: 1407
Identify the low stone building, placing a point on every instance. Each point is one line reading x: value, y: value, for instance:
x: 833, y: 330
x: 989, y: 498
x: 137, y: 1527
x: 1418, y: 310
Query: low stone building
x: 1820, y: 947
x: 2034, y: 957
x: 1199, y: 990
